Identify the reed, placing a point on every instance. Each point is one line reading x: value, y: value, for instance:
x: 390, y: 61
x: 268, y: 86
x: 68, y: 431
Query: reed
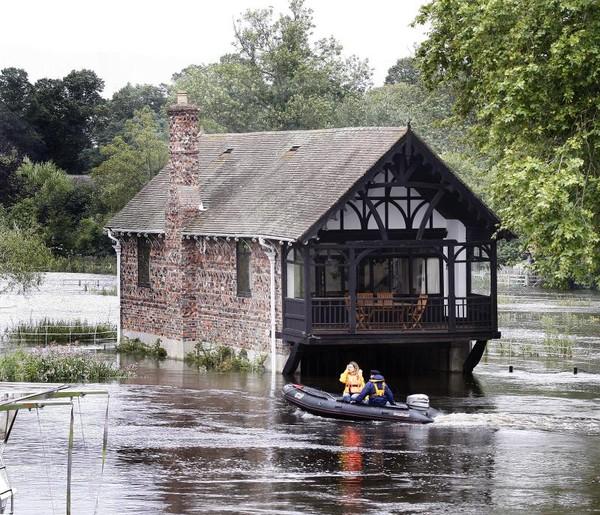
x: 58, y: 364
x: 49, y: 332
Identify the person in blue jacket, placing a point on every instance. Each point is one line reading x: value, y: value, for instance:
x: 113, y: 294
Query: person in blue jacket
x: 379, y: 393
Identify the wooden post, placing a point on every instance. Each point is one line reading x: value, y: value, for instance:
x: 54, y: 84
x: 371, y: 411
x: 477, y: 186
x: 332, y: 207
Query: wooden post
x: 294, y: 359
x: 474, y: 356
x: 352, y: 290
x: 307, y: 288
x: 451, y: 292
x: 493, y: 286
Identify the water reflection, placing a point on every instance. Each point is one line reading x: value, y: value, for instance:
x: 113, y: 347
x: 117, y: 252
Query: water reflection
x: 187, y: 442
x: 351, y: 464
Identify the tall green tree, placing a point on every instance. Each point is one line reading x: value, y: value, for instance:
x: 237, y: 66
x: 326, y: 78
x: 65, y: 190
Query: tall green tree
x: 132, y: 158
x: 123, y: 105
x: 405, y: 70
x: 278, y: 78
x: 527, y: 73
x: 64, y: 112
x: 22, y: 256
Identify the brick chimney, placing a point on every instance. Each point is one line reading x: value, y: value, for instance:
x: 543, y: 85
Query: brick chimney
x: 183, y: 201
x: 183, y: 204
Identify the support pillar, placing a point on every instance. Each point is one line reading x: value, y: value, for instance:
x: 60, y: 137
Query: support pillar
x: 294, y: 359
x: 474, y: 356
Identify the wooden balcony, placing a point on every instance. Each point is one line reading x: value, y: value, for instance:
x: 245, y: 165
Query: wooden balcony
x: 352, y: 315
x: 391, y: 313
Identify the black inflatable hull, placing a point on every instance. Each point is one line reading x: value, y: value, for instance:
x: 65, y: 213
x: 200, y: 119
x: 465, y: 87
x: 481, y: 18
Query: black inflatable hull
x: 324, y: 404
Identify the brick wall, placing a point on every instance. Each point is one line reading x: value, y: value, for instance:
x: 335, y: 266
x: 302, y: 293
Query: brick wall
x: 194, y: 297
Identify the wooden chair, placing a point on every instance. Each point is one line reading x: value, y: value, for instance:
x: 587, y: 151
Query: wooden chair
x: 417, y: 312
x: 364, y: 302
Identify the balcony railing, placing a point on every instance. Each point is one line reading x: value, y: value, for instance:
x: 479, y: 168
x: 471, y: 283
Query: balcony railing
x: 395, y: 313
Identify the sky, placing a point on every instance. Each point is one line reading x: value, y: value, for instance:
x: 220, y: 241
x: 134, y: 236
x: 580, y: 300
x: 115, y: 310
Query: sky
x: 147, y: 41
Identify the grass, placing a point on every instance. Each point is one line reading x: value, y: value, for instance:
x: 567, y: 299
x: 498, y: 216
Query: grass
x: 138, y: 348
x: 58, y: 364
x: 46, y: 332
x: 223, y: 359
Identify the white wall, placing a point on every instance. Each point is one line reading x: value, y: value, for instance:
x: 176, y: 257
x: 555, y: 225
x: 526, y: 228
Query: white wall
x: 455, y: 228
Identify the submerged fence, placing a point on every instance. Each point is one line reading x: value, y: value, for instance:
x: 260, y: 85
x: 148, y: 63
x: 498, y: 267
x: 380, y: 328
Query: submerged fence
x: 95, y: 336
x: 510, y: 277
x: 98, y: 285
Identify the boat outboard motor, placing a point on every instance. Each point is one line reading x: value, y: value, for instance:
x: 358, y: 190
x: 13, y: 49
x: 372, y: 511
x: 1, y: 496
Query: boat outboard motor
x: 418, y: 401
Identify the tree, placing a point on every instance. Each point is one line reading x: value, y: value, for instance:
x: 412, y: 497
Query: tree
x: 278, y: 78
x: 46, y: 207
x: 64, y: 112
x: 123, y: 105
x: 131, y: 160
x: 404, y: 71
x: 18, y: 138
x: 527, y: 73
x: 399, y: 104
x: 22, y: 257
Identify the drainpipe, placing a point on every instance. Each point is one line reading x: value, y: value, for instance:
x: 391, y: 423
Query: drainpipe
x: 271, y: 253
x: 117, y: 247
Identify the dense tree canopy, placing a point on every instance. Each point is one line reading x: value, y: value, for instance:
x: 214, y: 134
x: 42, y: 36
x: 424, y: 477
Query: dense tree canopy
x: 132, y: 158
x: 23, y: 256
x: 405, y: 70
x: 278, y: 78
x: 527, y: 72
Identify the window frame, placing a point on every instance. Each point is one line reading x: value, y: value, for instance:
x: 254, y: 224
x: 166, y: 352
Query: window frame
x: 144, y: 248
x: 243, y: 252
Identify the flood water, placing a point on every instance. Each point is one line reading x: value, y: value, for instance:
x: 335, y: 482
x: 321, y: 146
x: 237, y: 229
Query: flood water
x: 181, y: 441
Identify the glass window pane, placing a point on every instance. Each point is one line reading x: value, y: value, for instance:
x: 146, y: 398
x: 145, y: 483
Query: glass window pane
x: 433, y: 275
x: 298, y: 280
x: 480, y: 278
x: 418, y: 276
x: 143, y: 256
x: 381, y: 275
x: 401, y: 283
x: 243, y: 269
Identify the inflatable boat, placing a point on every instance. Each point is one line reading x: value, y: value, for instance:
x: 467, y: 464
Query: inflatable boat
x: 416, y: 410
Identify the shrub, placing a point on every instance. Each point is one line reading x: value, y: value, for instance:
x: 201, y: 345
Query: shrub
x: 223, y: 358
x: 58, y: 364
x: 137, y: 347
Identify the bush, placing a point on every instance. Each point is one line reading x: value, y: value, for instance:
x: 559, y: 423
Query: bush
x: 137, y: 347
x: 223, y: 358
x: 58, y: 364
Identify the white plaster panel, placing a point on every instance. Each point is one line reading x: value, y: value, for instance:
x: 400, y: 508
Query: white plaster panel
x: 398, y: 191
x: 351, y: 220
x: 395, y: 218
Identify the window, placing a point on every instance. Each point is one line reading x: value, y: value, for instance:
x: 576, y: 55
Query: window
x: 243, y: 254
x: 295, y: 275
x: 143, y: 255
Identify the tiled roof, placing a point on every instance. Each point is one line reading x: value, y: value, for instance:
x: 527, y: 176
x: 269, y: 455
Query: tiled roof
x: 272, y: 184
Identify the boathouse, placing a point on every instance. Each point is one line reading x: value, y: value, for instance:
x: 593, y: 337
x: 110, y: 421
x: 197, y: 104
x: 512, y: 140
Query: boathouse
x: 293, y: 243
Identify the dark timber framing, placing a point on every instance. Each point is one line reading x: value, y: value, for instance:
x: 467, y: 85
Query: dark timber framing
x: 349, y: 316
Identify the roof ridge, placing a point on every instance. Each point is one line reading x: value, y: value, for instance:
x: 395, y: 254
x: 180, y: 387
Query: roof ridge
x: 304, y: 131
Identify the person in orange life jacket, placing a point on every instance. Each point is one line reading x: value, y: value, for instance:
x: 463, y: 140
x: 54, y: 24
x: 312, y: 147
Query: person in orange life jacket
x: 352, y: 377
x: 379, y: 393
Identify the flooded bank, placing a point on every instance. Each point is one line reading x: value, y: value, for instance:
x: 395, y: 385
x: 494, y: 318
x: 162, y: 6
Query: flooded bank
x: 182, y: 441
